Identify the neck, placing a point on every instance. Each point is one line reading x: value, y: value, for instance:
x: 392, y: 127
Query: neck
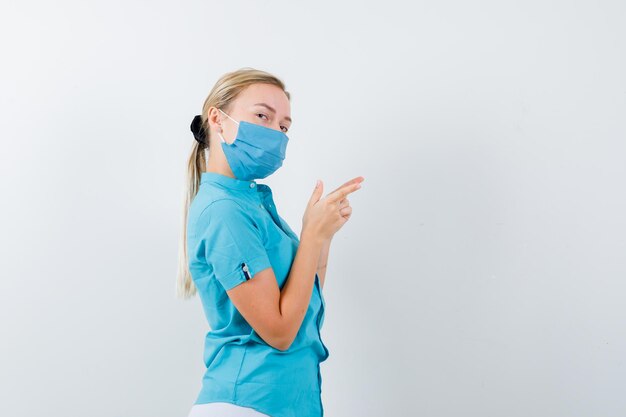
x: 218, y: 164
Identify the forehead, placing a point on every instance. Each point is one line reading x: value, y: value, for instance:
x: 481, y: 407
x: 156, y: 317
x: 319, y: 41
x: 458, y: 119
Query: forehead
x: 270, y: 94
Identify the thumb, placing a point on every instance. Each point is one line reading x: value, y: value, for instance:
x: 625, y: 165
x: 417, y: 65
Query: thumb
x: 317, y: 192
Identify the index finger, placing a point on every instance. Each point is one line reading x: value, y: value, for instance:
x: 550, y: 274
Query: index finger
x: 352, y: 181
x: 343, y: 191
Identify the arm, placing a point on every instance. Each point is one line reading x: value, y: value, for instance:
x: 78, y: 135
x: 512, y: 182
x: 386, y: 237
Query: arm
x: 323, y: 262
x: 277, y: 314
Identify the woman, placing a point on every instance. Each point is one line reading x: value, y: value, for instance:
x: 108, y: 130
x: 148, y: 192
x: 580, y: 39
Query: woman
x: 259, y: 283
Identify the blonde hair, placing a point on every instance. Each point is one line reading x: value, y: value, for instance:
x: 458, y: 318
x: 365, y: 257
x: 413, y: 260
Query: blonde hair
x: 221, y: 96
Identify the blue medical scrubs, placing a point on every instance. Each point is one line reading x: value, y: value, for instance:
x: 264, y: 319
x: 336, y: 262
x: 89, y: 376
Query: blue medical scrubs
x: 233, y: 232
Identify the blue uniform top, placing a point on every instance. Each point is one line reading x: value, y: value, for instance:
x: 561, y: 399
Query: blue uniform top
x: 233, y: 232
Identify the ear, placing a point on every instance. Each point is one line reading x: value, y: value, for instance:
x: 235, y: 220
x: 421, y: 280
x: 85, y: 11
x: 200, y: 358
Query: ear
x: 214, y: 119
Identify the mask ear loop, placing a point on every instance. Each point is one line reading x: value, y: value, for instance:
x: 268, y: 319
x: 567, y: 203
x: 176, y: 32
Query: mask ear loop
x: 219, y: 133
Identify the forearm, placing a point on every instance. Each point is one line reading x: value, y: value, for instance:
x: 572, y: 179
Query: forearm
x: 296, y: 293
x: 323, y: 262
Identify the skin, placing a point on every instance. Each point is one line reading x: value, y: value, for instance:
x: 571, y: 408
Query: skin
x: 275, y: 314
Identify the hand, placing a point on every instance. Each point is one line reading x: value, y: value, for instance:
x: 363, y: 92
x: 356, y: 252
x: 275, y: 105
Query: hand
x: 323, y: 217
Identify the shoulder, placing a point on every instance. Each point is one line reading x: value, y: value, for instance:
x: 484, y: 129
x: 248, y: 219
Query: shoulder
x: 224, y: 208
x: 227, y: 213
x: 204, y: 208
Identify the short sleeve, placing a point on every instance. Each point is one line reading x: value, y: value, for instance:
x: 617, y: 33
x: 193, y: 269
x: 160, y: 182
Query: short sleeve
x: 233, y: 244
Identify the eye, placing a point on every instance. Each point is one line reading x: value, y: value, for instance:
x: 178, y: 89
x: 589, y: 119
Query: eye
x: 266, y: 118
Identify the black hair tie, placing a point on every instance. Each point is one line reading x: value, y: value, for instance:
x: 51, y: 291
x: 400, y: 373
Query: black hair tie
x: 198, y: 131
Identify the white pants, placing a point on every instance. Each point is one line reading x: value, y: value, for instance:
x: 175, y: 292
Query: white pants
x: 223, y: 410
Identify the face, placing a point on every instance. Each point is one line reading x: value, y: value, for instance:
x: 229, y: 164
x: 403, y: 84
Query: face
x: 263, y: 104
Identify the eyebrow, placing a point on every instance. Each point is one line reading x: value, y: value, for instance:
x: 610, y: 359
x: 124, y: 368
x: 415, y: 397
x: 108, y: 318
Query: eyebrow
x: 272, y: 110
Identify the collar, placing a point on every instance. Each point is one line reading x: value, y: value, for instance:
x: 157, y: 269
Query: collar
x: 229, y: 182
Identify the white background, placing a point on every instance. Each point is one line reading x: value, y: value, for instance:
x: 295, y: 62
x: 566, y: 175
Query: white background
x: 482, y: 272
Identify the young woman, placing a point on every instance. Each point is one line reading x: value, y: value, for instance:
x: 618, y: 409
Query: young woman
x: 260, y: 284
